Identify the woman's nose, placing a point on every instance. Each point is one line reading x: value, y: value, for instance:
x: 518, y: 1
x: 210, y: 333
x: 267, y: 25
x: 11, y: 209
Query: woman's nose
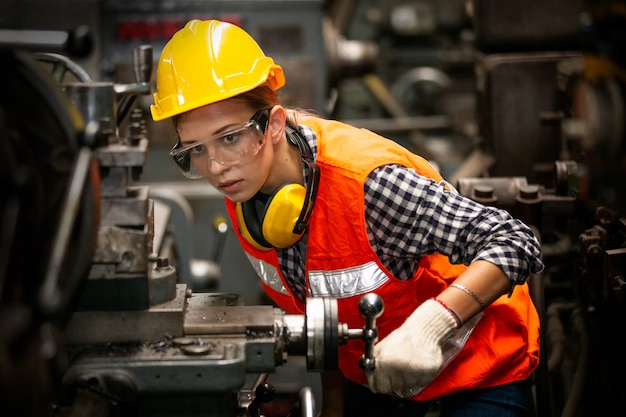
x: 216, y: 167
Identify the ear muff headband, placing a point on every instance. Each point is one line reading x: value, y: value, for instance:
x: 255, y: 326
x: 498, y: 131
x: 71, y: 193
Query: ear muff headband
x: 284, y: 218
x: 296, y: 139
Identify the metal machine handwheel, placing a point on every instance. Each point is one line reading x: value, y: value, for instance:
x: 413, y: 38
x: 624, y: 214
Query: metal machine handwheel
x: 322, y: 333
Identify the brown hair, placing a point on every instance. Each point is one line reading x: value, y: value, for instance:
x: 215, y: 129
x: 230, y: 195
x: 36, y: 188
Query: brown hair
x: 261, y: 97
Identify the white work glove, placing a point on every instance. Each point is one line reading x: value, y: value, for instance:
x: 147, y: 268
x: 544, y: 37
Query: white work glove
x: 411, y: 356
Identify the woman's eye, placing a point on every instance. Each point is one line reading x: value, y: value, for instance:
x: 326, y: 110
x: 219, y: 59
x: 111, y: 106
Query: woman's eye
x: 231, y: 137
x: 196, y: 149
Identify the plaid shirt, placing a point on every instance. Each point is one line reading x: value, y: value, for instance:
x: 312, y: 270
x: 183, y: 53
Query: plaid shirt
x: 409, y: 216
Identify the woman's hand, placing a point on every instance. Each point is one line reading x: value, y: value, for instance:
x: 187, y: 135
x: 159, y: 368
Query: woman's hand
x: 411, y: 356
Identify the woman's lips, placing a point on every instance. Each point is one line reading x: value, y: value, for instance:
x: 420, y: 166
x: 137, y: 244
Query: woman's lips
x: 230, y: 186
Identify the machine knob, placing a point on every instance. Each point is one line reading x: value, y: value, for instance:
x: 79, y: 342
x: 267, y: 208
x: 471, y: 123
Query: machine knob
x: 319, y: 334
x: 263, y: 393
x: 371, y: 307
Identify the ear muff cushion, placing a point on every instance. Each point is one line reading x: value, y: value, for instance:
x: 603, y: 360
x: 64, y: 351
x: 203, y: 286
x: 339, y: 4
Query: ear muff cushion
x: 250, y: 224
x: 281, y: 216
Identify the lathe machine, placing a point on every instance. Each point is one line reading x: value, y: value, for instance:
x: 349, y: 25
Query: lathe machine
x: 95, y: 320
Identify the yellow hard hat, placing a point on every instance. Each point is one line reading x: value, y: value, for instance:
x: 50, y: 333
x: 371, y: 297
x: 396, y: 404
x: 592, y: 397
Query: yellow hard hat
x: 208, y: 61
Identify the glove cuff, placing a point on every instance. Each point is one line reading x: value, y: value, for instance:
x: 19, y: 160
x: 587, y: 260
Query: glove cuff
x: 434, y: 321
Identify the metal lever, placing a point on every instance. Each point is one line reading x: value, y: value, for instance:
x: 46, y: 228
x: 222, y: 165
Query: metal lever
x: 371, y: 307
x: 316, y: 334
x: 264, y: 393
x: 142, y: 70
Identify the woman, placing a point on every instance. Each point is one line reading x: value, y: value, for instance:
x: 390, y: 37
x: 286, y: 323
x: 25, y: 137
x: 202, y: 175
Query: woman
x: 325, y: 209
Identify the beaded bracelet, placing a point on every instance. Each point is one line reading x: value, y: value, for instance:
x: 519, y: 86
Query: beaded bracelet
x: 470, y: 293
x: 457, y: 317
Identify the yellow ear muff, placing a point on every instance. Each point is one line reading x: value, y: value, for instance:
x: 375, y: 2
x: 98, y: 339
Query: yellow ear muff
x: 281, y: 216
x: 280, y: 220
x: 249, y: 229
x: 273, y: 224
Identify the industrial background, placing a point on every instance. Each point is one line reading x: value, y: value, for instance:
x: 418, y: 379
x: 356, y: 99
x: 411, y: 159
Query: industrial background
x: 116, y: 273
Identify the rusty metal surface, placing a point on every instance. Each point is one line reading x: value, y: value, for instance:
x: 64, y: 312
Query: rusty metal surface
x: 204, y: 318
x: 515, y: 92
x: 157, y: 322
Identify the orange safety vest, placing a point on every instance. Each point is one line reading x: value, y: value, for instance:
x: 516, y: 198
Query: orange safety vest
x: 340, y: 263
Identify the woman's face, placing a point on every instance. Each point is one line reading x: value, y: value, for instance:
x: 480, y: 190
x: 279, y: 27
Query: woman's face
x: 238, y: 174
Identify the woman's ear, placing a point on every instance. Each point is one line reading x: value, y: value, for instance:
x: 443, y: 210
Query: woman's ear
x: 276, y: 127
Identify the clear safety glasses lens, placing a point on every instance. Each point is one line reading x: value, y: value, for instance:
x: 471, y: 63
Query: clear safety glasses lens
x: 232, y: 148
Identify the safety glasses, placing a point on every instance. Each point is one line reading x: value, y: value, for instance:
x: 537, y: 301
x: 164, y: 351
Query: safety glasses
x: 235, y: 147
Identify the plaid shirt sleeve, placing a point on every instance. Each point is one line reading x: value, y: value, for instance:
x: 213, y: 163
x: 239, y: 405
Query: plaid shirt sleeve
x: 409, y: 216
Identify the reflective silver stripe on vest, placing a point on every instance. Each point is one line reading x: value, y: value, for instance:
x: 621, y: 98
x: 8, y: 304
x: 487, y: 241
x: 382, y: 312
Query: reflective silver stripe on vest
x: 268, y: 274
x: 343, y: 283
